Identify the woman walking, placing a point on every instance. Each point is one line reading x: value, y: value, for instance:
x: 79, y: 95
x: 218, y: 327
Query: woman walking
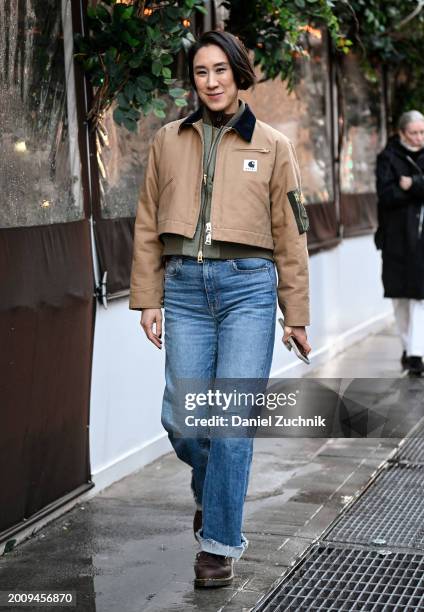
x: 400, y: 187
x: 220, y: 208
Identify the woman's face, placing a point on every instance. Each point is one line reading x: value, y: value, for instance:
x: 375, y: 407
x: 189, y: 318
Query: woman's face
x: 413, y: 134
x: 214, y: 80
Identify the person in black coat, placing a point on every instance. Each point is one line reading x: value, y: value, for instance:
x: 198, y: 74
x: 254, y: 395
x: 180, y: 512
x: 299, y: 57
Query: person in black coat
x: 400, y: 189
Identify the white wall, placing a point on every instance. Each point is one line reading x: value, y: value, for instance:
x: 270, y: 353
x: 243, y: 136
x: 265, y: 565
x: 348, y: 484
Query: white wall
x: 346, y: 303
x: 128, y: 371
x: 126, y: 393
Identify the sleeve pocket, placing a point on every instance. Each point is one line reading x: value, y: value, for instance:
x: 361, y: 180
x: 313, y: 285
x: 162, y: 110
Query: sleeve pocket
x: 296, y: 201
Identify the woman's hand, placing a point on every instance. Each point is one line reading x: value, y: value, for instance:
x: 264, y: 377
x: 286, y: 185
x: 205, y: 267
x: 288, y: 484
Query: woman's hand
x: 405, y: 182
x: 151, y: 316
x: 299, y: 334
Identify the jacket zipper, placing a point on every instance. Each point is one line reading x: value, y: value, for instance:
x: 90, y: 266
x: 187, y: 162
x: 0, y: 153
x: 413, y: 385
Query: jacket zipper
x: 207, y: 226
x: 200, y: 252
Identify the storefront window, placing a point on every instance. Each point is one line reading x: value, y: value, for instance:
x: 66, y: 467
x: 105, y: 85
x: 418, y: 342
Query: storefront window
x: 362, y: 127
x: 39, y: 164
x: 122, y: 158
x: 303, y: 116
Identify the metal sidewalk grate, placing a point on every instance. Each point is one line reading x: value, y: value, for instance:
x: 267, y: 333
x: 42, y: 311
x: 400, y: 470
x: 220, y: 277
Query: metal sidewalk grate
x: 389, y: 513
x: 412, y: 450
x: 336, y: 579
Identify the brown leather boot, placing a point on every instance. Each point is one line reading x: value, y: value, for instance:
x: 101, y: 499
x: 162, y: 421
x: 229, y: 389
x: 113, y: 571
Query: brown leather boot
x: 197, y: 522
x: 213, y: 570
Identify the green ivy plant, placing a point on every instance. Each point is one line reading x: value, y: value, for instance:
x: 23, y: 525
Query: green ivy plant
x: 130, y: 51
x: 129, y: 55
x: 275, y: 31
x: 390, y: 35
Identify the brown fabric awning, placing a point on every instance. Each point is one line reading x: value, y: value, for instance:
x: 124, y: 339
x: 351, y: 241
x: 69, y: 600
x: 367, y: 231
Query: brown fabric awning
x: 323, y: 231
x: 46, y: 335
x: 358, y: 213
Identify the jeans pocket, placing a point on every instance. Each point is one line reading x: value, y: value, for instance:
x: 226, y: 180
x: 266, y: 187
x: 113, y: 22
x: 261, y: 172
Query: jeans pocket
x: 251, y: 264
x: 173, y: 266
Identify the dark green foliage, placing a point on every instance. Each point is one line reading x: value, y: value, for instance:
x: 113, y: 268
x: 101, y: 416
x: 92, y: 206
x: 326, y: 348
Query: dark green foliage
x: 275, y: 30
x: 390, y: 34
x: 386, y: 34
x: 129, y: 55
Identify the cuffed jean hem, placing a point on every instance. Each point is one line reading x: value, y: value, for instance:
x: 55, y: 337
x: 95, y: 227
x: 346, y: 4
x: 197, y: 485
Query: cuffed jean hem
x: 216, y: 548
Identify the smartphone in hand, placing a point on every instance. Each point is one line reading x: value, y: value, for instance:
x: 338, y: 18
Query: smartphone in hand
x: 293, y: 345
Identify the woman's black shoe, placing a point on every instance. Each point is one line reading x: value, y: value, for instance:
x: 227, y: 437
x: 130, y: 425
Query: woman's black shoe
x: 415, y: 366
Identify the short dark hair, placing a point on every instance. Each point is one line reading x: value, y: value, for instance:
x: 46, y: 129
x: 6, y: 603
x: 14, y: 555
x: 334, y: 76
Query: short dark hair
x: 233, y: 48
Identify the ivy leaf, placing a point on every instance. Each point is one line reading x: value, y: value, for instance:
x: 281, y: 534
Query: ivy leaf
x: 133, y: 113
x: 147, y: 108
x: 130, y: 124
x: 145, y: 82
x: 158, y: 103
x: 159, y: 113
x: 166, y: 59
x: 157, y: 68
x: 136, y: 60
x: 166, y: 72
x: 201, y: 9
x: 180, y: 102
x: 152, y: 33
x: 169, y: 81
x: 127, y: 13
x: 141, y: 95
x: 177, y: 92
x: 172, y: 12
x: 129, y: 90
x: 103, y: 14
x: 118, y: 115
x: 126, y: 37
x: 123, y: 101
x: 90, y: 63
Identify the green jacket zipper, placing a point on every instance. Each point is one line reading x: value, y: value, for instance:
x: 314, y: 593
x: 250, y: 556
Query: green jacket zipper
x: 207, y: 227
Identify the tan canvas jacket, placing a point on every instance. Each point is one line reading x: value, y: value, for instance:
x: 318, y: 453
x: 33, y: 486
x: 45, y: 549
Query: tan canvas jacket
x: 256, y: 200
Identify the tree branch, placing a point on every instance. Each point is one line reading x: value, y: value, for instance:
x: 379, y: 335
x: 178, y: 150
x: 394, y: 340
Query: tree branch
x: 415, y: 12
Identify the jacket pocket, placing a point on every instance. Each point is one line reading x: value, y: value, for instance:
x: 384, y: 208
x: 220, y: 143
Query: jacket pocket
x: 253, y: 150
x: 299, y: 211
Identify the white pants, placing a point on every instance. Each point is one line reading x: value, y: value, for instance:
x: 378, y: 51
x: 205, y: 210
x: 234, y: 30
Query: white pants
x: 409, y: 315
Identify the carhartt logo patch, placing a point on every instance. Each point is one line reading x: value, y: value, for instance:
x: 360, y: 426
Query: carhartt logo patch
x: 250, y: 165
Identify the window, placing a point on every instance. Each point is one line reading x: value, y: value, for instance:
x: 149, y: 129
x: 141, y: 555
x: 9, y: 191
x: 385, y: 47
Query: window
x: 304, y: 117
x: 39, y: 165
x: 122, y: 158
x: 362, y: 127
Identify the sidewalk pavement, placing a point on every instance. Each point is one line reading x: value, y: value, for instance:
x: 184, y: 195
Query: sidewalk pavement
x: 131, y: 548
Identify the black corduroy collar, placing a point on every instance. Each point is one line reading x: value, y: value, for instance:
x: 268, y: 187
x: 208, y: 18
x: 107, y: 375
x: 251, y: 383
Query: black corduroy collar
x: 244, y: 126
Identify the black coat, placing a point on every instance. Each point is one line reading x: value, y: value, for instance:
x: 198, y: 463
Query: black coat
x: 400, y: 213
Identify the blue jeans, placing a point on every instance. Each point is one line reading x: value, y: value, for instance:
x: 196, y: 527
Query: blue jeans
x: 219, y: 323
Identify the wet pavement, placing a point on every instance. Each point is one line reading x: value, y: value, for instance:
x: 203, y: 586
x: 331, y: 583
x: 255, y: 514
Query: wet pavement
x: 131, y: 548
